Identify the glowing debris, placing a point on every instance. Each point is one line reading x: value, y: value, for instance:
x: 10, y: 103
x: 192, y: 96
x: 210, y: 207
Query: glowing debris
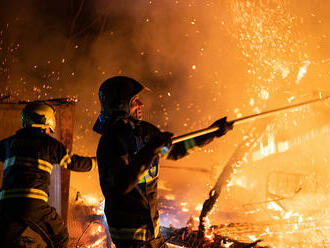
x: 302, y: 71
x: 252, y: 237
x: 263, y: 94
x: 170, y: 197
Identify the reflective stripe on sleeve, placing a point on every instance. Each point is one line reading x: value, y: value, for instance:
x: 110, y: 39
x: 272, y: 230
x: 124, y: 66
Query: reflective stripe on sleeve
x: 66, y: 160
x: 94, y: 163
x: 189, y: 144
x: 139, y: 233
x: 24, y: 193
x: 29, y: 162
x: 157, y: 228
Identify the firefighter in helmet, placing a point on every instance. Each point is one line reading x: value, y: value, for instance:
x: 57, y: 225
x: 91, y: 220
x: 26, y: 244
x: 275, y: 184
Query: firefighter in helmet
x: 127, y: 156
x: 26, y: 219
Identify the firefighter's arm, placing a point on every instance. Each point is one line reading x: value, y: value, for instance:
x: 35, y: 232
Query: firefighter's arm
x: 183, y: 148
x: 74, y: 162
x: 78, y: 163
x: 121, y: 173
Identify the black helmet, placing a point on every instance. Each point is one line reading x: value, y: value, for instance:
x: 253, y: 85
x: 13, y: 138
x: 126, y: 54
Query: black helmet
x: 115, y: 93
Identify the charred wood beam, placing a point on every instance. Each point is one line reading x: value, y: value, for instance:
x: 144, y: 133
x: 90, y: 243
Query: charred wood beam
x: 191, y: 239
x: 53, y: 101
x: 227, y: 172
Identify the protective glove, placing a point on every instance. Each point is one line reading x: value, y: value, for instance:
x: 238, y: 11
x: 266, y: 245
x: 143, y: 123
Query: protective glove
x: 223, y: 125
x: 161, y: 140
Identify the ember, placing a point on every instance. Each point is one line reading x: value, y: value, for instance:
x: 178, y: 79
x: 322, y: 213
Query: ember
x: 267, y: 183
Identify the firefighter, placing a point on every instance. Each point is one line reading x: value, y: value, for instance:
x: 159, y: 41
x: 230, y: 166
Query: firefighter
x: 26, y: 219
x: 127, y: 157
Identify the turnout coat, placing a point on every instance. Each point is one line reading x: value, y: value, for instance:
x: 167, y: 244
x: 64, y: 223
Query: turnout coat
x: 130, y: 194
x: 28, y: 158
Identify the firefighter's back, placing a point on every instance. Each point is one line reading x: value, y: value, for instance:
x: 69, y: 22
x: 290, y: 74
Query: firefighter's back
x: 26, y: 219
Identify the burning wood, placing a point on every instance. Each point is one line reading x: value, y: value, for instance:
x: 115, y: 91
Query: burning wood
x: 185, y: 237
x: 87, y: 223
x: 226, y: 174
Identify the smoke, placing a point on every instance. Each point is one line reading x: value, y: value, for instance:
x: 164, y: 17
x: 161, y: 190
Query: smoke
x: 202, y: 60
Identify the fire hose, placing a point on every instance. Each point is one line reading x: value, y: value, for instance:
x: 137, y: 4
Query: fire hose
x: 244, y: 119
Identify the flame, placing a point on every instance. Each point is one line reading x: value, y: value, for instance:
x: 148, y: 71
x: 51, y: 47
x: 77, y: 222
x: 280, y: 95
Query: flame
x: 96, y: 230
x: 99, y: 209
x: 185, y: 210
x: 98, y: 242
x: 252, y: 237
x: 170, y: 197
x: 263, y: 94
x: 91, y: 200
x: 199, y: 207
x: 239, y: 181
x: 274, y: 206
x: 226, y: 244
x: 302, y: 71
x: 209, y: 234
x: 270, y: 147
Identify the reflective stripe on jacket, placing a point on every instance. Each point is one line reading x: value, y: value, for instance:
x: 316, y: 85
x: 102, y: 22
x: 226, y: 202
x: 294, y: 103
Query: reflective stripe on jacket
x: 149, y: 175
x: 29, y: 162
x: 132, y: 215
x: 24, y: 193
x: 28, y: 157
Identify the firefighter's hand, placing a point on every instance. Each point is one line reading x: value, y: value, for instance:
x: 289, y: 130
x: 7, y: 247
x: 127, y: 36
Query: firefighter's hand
x: 223, y: 125
x: 162, y: 139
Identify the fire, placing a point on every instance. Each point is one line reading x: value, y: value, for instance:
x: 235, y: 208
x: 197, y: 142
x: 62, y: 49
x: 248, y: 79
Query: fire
x: 185, y: 209
x: 302, y: 71
x: 91, y: 200
x: 169, y: 197
x: 252, y: 237
x: 209, y: 234
x: 98, y: 208
x: 226, y: 244
x: 274, y: 206
x: 199, y: 207
x: 266, y: 149
x: 96, y: 230
x: 263, y: 94
x: 98, y: 243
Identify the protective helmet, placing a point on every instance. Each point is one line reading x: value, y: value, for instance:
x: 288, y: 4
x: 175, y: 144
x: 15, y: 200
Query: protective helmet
x: 115, y: 93
x: 39, y: 114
